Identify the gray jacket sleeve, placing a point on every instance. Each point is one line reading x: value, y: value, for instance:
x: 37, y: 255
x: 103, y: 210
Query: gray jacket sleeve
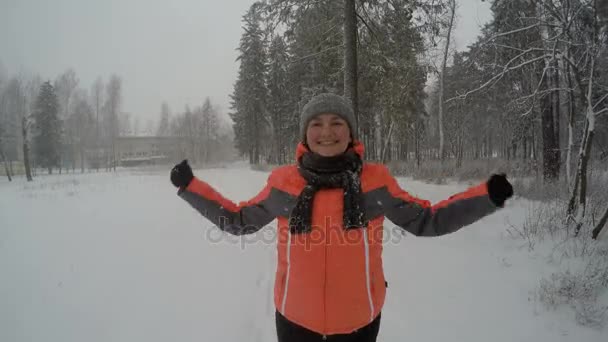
x: 238, y: 219
x: 420, y: 218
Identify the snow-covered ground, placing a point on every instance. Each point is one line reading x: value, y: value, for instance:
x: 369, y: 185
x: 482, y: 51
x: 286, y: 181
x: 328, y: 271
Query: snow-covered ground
x: 119, y: 257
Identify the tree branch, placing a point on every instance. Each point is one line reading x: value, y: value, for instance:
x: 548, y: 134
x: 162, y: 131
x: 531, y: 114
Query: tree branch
x: 368, y: 27
x: 528, y: 111
x: 543, y: 50
x: 510, y: 32
x: 536, y: 93
x: 601, y: 111
x: 600, y: 100
x: 497, y: 77
x: 317, y: 53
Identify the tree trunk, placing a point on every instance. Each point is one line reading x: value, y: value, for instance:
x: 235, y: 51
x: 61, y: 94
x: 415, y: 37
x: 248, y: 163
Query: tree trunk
x: 74, y: 155
x: 578, y: 200
x: 490, y: 150
x: 550, y: 156
x: 388, y: 139
x: 525, y: 148
x: 555, y: 104
x: 350, y: 57
x: 551, y: 162
x: 26, y: 150
x: 598, y: 229
x: 81, y: 158
x: 97, y: 156
x: 459, y: 151
x: 577, y: 203
x: 571, y: 111
x: 106, y: 157
x: 417, y: 142
x: 534, y: 144
x: 452, y: 5
x: 4, y: 161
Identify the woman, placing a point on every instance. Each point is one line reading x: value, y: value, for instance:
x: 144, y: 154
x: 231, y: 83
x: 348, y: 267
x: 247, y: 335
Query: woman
x: 330, y: 206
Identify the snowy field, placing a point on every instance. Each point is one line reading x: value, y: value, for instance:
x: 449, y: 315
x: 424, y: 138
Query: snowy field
x: 119, y: 257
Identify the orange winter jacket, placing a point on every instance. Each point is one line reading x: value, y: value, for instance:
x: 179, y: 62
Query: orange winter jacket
x: 331, y: 280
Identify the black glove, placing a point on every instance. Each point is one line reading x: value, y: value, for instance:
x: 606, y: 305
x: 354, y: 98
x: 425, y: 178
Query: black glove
x: 181, y: 174
x: 499, y: 189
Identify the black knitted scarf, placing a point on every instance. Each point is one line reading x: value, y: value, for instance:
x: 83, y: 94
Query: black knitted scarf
x: 342, y: 171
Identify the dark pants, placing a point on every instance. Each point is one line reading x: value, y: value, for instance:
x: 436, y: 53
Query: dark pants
x: 288, y: 331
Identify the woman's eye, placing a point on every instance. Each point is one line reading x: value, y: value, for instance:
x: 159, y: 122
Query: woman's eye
x: 337, y: 123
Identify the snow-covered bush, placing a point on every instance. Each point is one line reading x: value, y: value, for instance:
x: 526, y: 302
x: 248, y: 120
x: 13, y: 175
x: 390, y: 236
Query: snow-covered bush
x: 581, y: 275
x: 580, y: 289
x: 534, y: 188
x: 543, y: 220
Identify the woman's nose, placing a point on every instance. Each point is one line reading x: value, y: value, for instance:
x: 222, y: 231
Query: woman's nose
x: 326, y: 130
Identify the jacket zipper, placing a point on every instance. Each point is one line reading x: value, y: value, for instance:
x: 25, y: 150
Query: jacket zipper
x: 286, y: 285
x: 367, y: 275
x: 325, y: 285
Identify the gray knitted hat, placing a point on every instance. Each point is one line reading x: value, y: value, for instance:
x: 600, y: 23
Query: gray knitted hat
x: 327, y: 103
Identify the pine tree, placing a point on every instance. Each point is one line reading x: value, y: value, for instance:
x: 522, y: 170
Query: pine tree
x: 278, y: 98
x: 208, y: 131
x: 393, y: 80
x: 2, y: 156
x: 112, y: 108
x: 249, y: 96
x: 47, y: 128
x: 81, y: 126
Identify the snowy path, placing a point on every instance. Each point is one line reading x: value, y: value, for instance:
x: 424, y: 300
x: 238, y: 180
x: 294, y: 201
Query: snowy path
x: 104, y: 257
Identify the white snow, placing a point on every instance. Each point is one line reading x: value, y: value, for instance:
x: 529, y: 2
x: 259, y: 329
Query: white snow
x: 119, y: 257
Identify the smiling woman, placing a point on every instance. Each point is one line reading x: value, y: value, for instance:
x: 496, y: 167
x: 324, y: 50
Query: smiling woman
x: 330, y: 205
x: 328, y: 135
x: 327, y: 125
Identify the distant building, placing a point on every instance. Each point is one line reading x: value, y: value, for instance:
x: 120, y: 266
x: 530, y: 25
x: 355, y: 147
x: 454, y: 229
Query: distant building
x: 147, y: 150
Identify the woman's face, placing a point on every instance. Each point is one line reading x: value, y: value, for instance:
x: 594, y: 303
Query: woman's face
x: 328, y: 135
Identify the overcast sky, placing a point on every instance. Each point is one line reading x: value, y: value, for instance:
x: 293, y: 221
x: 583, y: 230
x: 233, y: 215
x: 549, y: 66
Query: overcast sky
x: 176, y: 51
